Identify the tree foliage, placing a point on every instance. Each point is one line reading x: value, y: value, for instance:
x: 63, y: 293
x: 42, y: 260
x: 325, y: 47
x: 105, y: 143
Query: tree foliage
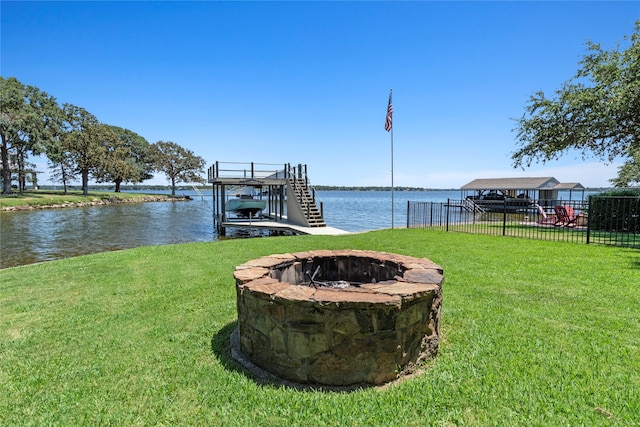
x: 596, y: 112
x: 29, y: 119
x: 83, y: 142
x: 78, y: 145
x: 629, y: 172
x: 127, y: 161
x: 177, y: 163
x: 61, y: 170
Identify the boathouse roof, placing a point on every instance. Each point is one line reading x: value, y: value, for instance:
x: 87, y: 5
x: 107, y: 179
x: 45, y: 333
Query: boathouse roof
x: 531, y: 183
x: 569, y: 186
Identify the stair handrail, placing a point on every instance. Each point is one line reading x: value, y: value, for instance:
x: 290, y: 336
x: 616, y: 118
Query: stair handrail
x: 299, y: 192
x: 313, y: 194
x: 198, y: 192
x: 305, y: 197
x: 307, y: 182
x: 300, y: 184
x: 472, y: 206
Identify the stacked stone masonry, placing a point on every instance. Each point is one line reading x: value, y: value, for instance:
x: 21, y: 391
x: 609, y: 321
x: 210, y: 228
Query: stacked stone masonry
x: 384, y: 323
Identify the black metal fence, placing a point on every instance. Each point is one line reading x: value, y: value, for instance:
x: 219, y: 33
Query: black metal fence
x: 600, y: 219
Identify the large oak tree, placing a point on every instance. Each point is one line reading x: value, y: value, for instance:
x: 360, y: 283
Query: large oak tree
x: 29, y: 119
x: 88, y: 144
x: 127, y: 161
x: 177, y: 163
x: 597, y: 112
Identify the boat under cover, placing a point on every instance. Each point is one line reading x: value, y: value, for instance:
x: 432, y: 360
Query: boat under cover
x: 495, y: 201
x: 245, y: 205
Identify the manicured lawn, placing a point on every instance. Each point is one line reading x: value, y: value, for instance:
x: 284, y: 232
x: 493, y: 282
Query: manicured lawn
x: 534, y: 333
x: 57, y: 197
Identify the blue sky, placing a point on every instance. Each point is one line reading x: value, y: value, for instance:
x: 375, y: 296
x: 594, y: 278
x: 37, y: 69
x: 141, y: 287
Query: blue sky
x: 308, y: 82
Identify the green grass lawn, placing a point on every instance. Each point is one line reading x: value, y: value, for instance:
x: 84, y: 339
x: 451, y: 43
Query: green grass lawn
x: 534, y: 333
x: 56, y: 197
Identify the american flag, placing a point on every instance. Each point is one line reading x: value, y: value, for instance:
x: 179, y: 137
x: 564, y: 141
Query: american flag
x: 388, y: 124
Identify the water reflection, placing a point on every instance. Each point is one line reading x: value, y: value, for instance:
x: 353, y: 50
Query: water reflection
x: 43, y: 235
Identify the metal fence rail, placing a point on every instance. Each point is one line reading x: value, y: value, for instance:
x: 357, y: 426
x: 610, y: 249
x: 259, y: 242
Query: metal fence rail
x: 603, y: 220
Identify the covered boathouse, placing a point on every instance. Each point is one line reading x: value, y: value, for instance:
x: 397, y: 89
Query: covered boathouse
x: 289, y: 201
x: 519, y: 192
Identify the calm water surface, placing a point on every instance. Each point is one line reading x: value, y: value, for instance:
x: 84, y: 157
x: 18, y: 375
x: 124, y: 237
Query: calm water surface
x: 371, y: 210
x: 43, y: 235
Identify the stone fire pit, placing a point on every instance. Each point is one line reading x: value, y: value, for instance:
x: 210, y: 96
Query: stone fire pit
x: 338, y: 318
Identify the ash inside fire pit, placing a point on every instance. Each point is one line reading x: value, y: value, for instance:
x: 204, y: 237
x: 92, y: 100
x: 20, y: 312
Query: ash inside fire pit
x: 338, y: 318
x: 336, y: 284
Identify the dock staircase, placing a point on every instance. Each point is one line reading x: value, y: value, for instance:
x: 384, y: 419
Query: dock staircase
x: 304, y: 209
x: 471, y: 206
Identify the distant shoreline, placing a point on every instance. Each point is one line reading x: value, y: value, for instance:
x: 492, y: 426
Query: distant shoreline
x: 209, y: 187
x: 315, y: 187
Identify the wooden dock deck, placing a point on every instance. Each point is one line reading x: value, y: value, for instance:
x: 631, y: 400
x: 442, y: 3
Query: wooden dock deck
x: 267, y: 223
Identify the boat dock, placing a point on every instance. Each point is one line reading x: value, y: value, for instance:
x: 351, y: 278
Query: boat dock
x: 284, y: 190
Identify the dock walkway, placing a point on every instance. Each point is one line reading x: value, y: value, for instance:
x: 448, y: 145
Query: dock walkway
x: 282, y: 224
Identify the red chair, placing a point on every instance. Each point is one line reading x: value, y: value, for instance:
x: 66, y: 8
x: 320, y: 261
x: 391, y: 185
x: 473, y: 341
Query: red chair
x: 572, y: 218
x: 561, y: 215
x: 566, y: 216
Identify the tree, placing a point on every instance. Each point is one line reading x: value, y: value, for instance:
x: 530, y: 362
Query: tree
x: 60, y: 161
x: 177, y: 163
x: 86, y: 143
x: 61, y: 171
x: 596, y: 112
x: 128, y: 161
x: 28, y: 120
x: 629, y: 173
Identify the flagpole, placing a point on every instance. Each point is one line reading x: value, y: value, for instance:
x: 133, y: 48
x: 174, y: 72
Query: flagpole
x: 392, y: 203
x: 388, y: 126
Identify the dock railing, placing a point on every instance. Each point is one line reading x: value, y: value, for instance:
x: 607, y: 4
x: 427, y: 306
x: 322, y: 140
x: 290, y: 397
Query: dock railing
x: 250, y: 170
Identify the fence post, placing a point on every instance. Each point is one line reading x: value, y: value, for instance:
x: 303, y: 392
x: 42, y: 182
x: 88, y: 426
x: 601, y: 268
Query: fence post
x: 408, y: 212
x: 447, y: 219
x: 431, y: 214
x: 589, y: 213
x: 504, y: 217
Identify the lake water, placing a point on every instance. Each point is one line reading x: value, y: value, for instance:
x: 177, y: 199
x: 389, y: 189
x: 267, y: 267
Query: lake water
x: 28, y: 237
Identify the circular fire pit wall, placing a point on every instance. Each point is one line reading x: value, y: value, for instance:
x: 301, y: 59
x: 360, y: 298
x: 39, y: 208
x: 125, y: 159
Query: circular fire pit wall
x: 338, y: 318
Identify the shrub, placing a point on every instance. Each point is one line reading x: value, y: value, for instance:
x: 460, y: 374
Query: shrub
x: 615, y: 210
